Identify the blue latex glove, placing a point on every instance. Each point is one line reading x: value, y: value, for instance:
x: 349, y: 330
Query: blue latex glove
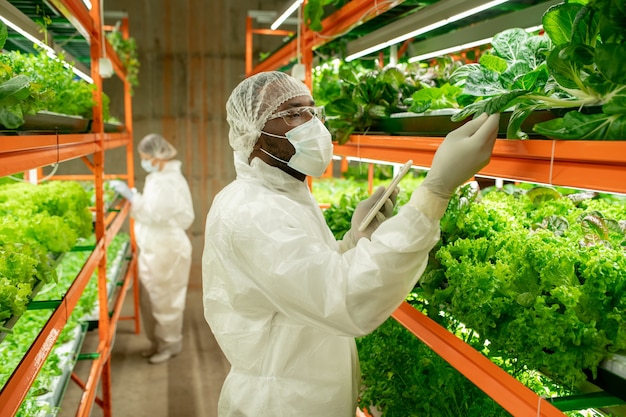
x: 122, y: 189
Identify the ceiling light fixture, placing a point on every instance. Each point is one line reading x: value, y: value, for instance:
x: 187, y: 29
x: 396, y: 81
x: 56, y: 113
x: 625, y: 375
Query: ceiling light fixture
x: 288, y: 11
x: 27, y: 35
x: 426, y: 20
x: 463, y: 47
x: 49, y: 50
x: 479, y: 33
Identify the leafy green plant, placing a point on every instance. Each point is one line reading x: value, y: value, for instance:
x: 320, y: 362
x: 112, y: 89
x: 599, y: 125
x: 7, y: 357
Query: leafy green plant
x: 403, y: 377
x: 364, y: 97
x: 64, y: 94
x: 541, y: 280
x: 31, y: 83
x: 434, y: 98
x: 513, y: 68
x: 17, y: 95
x: 590, y: 45
x: 126, y: 50
x: 15, y: 345
x: 577, y: 66
x: 314, y: 12
x: 35, y: 223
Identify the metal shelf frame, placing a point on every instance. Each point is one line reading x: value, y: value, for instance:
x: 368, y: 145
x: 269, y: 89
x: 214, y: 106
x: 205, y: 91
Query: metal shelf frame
x: 24, y: 153
x: 593, y: 165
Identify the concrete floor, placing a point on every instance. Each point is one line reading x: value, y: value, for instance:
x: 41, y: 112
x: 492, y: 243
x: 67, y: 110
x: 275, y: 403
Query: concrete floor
x: 186, y: 386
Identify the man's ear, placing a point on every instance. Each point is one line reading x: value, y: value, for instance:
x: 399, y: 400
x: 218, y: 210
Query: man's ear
x: 255, y: 149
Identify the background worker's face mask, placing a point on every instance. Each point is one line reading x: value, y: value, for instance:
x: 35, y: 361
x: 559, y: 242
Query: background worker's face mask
x: 146, y: 164
x: 314, y: 147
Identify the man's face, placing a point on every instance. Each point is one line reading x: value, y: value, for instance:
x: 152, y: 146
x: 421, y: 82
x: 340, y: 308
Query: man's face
x: 282, y: 148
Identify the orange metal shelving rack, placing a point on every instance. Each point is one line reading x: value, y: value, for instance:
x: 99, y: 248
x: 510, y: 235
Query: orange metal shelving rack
x: 22, y: 153
x: 591, y: 165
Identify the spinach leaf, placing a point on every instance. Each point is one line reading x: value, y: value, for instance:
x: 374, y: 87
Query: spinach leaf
x: 576, y: 125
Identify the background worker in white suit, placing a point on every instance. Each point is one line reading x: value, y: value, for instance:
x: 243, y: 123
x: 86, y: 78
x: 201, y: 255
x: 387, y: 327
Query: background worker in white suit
x: 162, y: 213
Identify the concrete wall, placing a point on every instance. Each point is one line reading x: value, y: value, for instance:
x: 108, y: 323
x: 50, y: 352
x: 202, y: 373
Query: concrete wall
x: 192, y: 54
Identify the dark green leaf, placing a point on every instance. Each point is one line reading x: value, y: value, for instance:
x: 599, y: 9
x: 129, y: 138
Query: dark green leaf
x: 558, y: 22
x: 527, y: 81
x: 14, y: 90
x: 341, y: 107
x: 313, y: 12
x: 3, y: 34
x: 377, y: 111
x: 535, y: 50
x: 348, y: 74
x: 617, y: 105
x: 575, y: 125
x: 609, y: 58
x: 11, y: 117
x: 489, y: 106
x: 586, y: 26
x: 519, y: 115
x: 483, y: 83
x: 514, y: 72
x: 565, y: 71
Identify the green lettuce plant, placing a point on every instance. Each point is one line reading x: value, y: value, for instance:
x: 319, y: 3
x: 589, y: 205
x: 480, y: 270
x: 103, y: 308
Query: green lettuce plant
x: 18, y: 96
x: 30, y: 83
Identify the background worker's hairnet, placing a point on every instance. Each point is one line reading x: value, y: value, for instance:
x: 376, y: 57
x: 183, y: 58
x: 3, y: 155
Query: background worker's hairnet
x: 157, y: 147
x: 253, y: 101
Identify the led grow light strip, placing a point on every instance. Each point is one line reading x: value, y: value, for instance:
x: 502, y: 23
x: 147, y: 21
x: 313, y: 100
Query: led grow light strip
x: 27, y: 35
x: 458, y: 48
x: 288, y: 12
x: 49, y: 51
x: 425, y: 29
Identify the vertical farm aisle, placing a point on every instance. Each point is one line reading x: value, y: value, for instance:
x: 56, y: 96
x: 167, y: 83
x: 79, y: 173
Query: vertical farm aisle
x: 186, y: 386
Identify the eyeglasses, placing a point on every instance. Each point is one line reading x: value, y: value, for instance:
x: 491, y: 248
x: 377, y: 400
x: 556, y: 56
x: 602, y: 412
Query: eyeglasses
x: 299, y: 115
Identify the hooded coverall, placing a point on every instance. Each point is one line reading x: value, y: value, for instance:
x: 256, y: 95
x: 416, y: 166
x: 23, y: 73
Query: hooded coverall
x: 162, y: 214
x: 285, y: 300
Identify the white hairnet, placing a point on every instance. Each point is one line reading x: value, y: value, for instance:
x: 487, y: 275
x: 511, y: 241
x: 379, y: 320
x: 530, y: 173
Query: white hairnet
x: 157, y: 147
x: 253, y: 101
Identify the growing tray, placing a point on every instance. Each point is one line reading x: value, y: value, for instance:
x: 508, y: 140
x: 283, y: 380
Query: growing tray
x: 611, y: 375
x: 437, y: 123
x: 69, y: 354
x: 114, y: 278
x: 45, y: 122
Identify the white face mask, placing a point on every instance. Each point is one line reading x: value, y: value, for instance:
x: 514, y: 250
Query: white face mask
x: 146, y: 164
x: 314, y: 147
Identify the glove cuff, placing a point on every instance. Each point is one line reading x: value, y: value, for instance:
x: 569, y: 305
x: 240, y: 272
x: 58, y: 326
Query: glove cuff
x: 429, y: 203
x: 348, y: 242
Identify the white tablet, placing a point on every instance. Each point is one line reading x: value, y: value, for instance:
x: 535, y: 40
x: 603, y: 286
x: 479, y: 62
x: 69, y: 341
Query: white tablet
x: 379, y: 204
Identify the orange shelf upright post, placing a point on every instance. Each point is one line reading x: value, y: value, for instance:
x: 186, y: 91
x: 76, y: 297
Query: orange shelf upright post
x: 352, y: 13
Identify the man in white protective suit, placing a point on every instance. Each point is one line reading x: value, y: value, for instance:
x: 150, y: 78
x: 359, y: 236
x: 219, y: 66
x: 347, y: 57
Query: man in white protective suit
x: 162, y: 213
x: 284, y: 299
